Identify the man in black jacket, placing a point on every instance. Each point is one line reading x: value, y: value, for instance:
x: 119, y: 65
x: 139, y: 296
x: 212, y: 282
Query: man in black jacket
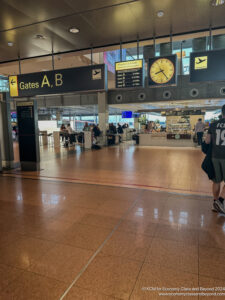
x: 216, y: 135
x: 119, y: 129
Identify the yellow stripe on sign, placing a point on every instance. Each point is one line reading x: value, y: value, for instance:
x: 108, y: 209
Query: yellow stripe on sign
x: 130, y: 64
x: 13, y: 86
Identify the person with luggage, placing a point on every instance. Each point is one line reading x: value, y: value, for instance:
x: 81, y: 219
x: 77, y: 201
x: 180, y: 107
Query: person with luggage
x: 96, y: 131
x: 216, y: 137
x: 63, y: 131
x: 120, y: 132
x: 96, y: 134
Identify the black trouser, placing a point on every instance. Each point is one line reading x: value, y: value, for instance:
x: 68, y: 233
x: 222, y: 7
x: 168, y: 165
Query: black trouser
x: 199, y: 137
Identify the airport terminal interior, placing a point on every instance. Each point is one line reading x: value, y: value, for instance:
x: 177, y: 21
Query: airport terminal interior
x: 105, y: 112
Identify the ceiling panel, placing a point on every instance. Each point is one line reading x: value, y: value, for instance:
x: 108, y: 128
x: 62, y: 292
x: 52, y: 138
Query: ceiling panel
x: 100, y: 23
x: 15, y: 13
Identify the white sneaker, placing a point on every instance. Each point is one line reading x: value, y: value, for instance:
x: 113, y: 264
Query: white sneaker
x: 214, y: 208
x: 219, y: 206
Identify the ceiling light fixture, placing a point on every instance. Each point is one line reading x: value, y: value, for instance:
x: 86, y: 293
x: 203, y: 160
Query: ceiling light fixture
x: 10, y: 44
x: 160, y: 14
x: 40, y: 37
x: 217, y: 2
x: 73, y: 30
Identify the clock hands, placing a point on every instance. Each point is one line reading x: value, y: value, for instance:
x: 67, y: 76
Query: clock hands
x: 164, y: 74
x: 161, y: 71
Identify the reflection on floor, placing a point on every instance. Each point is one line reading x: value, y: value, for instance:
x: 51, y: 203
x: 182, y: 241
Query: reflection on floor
x: 169, y: 169
x: 61, y: 240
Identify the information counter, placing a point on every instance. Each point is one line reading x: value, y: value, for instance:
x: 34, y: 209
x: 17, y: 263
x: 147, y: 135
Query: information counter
x: 165, y: 140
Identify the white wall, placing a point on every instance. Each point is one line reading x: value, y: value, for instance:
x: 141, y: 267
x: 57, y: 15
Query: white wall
x: 50, y: 126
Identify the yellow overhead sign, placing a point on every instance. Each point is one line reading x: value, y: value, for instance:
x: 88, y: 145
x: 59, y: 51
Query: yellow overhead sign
x: 130, y: 64
x: 27, y: 103
x: 201, y: 62
x: 13, y: 86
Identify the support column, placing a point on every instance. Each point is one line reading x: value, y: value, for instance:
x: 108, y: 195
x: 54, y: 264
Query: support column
x: 6, y: 142
x: 103, y: 114
x: 148, y: 51
x: 136, y: 124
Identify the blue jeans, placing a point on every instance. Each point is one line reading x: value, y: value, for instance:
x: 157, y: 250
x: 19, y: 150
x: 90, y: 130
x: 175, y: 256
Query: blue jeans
x: 199, y: 137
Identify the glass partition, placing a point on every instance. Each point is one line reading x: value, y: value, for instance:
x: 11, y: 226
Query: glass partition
x: 4, y: 84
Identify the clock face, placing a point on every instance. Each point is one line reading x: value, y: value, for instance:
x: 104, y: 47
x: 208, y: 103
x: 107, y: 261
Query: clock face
x: 162, y: 70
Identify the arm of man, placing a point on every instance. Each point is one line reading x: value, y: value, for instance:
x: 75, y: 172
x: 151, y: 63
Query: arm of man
x: 209, y: 135
x: 208, y: 138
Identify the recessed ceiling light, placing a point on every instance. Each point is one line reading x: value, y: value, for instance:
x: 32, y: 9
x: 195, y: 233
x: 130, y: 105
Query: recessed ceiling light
x: 40, y: 37
x: 217, y: 2
x: 160, y: 13
x: 10, y: 44
x: 73, y: 30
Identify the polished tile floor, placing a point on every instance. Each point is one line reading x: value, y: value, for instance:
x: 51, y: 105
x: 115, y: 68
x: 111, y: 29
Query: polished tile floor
x: 168, y: 169
x: 65, y: 240
x: 62, y: 240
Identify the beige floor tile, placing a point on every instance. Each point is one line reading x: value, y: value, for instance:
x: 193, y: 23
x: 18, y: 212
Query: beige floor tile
x: 7, y: 275
x: 85, y: 236
x: 73, y: 213
x: 211, y: 262
x: 32, y: 286
x: 88, y: 202
x: 141, y: 215
x: 209, y: 219
x: 59, y: 225
x: 52, y: 229
x: 48, y: 234
x: 112, y: 276
x: 51, y: 211
x: 150, y: 204
x: 61, y: 262
x: 144, y: 228
x: 77, y: 293
x: 184, y: 216
x: 154, y: 196
x: 116, y: 207
x: 177, y: 233
x: 152, y: 276
x: 24, y: 251
x: 127, y: 164
x: 211, y: 285
x: 172, y: 254
x: 8, y: 221
x: 213, y: 237
x: 7, y: 237
x: 30, y: 225
x: 99, y: 220
x: 127, y: 245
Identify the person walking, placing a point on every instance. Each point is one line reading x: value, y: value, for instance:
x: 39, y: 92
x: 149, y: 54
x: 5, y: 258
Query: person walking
x: 216, y: 136
x: 199, y: 130
x: 86, y: 127
x: 120, y: 131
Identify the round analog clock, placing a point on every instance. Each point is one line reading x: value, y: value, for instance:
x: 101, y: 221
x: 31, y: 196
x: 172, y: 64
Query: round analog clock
x: 162, y: 70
